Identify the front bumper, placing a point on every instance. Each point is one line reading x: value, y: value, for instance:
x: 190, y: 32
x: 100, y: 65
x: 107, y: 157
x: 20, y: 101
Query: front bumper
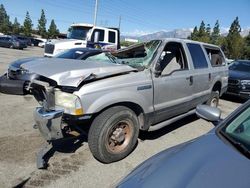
x: 12, y: 87
x: 237, y: 90
x: 49, y: 123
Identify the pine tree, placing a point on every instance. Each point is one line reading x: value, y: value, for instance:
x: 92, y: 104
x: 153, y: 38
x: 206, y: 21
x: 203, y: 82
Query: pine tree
x: 208, y: 30
x: 42, y: 25
x: 202, y: 33
x: 5, y: 24
x: 215, y: 36
x: 194, y: 34
x: 16, y: 27
x: 53, y: 31
x: 247, y: 47
x: 27, y: 25
x: 202, y: 29
x: 234, y: 41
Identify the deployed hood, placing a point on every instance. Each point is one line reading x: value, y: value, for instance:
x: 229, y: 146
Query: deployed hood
x: 16, y: 64
x: 206, y: 162
x: 68, y: 72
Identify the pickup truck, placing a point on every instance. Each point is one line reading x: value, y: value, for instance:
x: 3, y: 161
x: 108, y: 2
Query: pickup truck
x: 143, y: 87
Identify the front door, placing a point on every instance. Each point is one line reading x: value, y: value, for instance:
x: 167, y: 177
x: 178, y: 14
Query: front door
x: 173, y: 88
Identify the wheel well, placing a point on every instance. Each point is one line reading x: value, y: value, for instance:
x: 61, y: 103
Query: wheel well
x: 217, y: 87
x: 137, y: 109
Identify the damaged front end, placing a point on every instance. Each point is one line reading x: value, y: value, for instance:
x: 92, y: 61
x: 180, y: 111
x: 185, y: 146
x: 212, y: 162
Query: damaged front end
x: 54, y: 103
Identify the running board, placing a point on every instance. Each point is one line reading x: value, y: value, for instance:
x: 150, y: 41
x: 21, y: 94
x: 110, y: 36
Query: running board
x: 170, y: 121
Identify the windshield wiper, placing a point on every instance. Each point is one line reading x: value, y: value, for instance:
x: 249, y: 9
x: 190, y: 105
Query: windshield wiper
x: 238, y: 145
x: 111, y: 58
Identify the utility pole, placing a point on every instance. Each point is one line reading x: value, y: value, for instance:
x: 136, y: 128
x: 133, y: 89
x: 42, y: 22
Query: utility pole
x: 120, y: 19
x: 96, y: 7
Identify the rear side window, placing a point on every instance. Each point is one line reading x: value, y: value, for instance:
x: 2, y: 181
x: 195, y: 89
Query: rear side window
x: 198, y: 57
x: 215, y: 56
x: 112, y: 36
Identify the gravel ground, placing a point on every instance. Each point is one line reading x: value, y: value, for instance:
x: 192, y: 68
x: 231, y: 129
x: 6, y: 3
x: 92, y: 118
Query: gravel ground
x: 74, y: 167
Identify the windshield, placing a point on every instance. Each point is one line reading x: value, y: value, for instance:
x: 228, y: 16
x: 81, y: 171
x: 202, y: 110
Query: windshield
x: 240, y: 66
x: 138, y: 56
x: 238, y: 131
x: 79, y: 32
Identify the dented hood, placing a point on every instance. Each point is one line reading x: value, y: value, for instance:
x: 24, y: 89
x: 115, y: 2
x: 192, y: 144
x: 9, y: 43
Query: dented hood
x: 68, y: 72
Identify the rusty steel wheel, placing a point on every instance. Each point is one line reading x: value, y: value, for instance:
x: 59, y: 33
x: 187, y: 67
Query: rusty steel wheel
x: 113, y: 134
x: 214, y: 99
x: 119, y: 136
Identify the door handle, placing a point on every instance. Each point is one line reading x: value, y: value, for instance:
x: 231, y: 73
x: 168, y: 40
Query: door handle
x: 191, y: 80
x: 209, y: 77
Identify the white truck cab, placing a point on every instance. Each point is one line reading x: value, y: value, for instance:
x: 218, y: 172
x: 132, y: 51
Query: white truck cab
x: 85, y: 35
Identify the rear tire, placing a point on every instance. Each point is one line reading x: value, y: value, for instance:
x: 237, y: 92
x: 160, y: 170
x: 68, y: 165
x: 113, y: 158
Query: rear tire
x: 214, y: 99
x: 113, y: 134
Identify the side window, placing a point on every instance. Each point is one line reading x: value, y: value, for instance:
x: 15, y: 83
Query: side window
x: 101, y: 35
x: 215, y: 56
x: 198, y: 57
x: 112, y: 36
x: 173, y: 58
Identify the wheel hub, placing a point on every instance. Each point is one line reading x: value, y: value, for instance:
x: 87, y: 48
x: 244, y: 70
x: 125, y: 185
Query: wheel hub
x: 118, y: 135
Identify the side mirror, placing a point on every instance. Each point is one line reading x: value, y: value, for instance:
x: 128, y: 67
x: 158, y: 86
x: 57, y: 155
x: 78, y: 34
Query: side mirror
x: 209, y: 113
x: 96, y: 37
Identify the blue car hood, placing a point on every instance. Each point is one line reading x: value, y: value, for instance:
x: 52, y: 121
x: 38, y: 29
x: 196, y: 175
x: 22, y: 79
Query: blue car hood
x: 239, y: 75
x: 205, y: 162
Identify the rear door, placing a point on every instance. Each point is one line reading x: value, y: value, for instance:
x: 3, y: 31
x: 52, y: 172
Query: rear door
x: 201, y: 74
x: 173, y: 88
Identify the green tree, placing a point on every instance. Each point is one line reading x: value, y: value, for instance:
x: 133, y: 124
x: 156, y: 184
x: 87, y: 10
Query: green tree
x: 194, y: 34
x: 203, y: 35
x: 5, y: 24
x: 215, y: 36
x: 16, y: 27
x: 27, y: 25
x: 42, y: 25
x: 234, y: 42
x: 53, y: 31
x: 208, y: 30
x: 247, y: 47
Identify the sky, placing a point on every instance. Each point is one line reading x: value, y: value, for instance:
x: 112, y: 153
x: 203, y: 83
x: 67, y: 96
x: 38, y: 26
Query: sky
x: 137, y: 16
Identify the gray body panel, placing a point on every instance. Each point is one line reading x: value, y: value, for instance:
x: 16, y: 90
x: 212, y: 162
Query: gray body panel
x: 102, y: 84
x: 204, y: 162
x: 68, y: 72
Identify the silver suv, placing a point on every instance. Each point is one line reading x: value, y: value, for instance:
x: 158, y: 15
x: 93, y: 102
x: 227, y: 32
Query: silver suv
x: 143, y: 87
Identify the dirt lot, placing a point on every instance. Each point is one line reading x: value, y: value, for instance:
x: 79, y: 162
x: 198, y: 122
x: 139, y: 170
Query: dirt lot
x: 19, y: 143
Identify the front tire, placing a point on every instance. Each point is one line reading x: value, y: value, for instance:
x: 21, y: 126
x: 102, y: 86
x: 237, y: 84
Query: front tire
x: 113, y: 134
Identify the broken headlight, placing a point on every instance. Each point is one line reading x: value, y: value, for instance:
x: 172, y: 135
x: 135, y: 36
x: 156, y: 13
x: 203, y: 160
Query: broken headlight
x: 69, y: 102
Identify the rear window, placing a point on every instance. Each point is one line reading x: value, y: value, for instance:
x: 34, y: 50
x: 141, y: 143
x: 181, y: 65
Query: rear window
x: 215, y: 56
x: 198, y: 57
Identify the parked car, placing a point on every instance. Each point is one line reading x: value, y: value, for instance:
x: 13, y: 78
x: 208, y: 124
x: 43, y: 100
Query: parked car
x: 12, y: 42
x: 220, y: 158
x: 42, y: 44
x: 36, y: 41
x: 239, y: 79
x: 24, y: 39
x: 76, y: 53
x: 143, y: 87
